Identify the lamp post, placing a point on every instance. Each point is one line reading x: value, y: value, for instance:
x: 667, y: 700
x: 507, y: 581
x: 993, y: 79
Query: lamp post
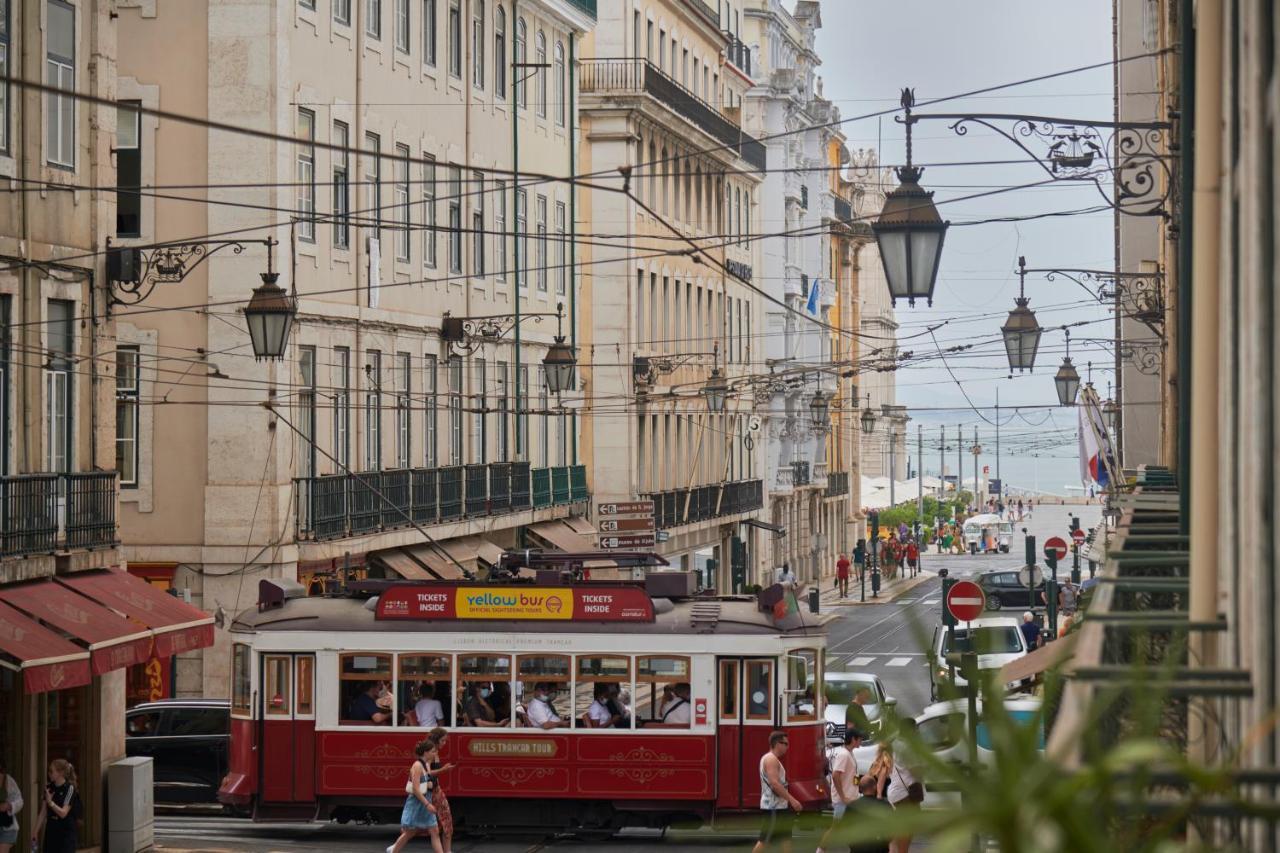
x: 819, y: 411
x: 868, y: 418
x: 269, y: 315
x: 909, y: 230
x: 1021, y: 331
x: 716, y: 389
x: 1067, y: 380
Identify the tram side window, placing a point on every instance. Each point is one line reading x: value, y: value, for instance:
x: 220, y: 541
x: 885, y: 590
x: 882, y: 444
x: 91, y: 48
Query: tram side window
x: 277, y: 687
x: 802, y: 680
x: 760, y: 690
x: 240, y: 682
x: 423, y: 690
x: 485, y: 698
x: 364, y: 690
x: 729, y: 690
x: 542, y: 691
x: 663, y: 692
x: 602, y: 692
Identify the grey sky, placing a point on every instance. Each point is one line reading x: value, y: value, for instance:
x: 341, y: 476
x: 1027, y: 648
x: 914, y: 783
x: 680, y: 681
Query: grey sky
x: 871, y: 49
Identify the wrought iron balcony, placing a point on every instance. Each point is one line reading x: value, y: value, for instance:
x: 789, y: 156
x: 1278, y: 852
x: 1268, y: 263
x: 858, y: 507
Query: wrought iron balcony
x: 702, y: 503
x: 334, y: 506
x: 47, y: 513
x: 738, y: 54
x: 843, y: 209
x: 626, y: 76
x: 800, y: 473
x: 837, y: 484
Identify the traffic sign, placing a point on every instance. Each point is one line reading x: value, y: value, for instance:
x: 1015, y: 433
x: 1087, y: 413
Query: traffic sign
x: 613, y: 543
x: 965, y: 601
x: 626, y: 508
x: 1055, y: 546
x: 621, y: 525
x: 1077, y: 536
x: 1029, y: 576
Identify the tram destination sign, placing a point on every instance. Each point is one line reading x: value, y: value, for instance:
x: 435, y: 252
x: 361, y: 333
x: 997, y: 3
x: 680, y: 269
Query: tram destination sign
x: 520, y: 603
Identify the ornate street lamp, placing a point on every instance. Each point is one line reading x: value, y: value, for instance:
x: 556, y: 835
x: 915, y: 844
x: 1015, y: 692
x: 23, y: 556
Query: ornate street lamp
x: 270, y: 315
x: 1067, y: 380
x: 1021, y: 331
x: 1109, y: 410
x: 560, y: 361
x: 819, y: 411
x: 868, y: 418
x: 910, y: 231
x: 716, y: 390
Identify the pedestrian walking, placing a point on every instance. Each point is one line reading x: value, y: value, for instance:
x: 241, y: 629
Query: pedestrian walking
x: 10, y: 805
x: 1030, y: 630
x: 860, y: 558
x: 419, y: 816
x: 842, y: 575
x: 913, y: 556
x: 844, y: 783
x: 869, y: 805
x: 61, y: 809
x: 444, y: 815
x: 777, y: 805
x: 905, y: 790
x: 1068, y: 599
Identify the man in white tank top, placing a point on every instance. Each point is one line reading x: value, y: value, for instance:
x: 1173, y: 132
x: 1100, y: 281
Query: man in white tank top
x: 775, y: 799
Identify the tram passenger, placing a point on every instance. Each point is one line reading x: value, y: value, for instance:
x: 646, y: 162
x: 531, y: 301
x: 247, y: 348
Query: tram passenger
x: 428, y: 710
x: 618, y: 706
x: 542, y: 714
x: 677, y: 714
x: 477, y: 709
x: 365, y: 707
x: 599, y: 715
x: 667, y: 702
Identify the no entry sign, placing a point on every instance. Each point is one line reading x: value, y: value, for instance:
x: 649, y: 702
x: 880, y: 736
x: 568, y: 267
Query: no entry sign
x: 1078, y: 536
x: 965, y: 601
x: 1056, y: 547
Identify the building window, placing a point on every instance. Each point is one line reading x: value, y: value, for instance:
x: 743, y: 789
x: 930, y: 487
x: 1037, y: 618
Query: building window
x: 541, y: 225
x: 60, y: 110
x: 341, y: 187
x: 402, y: 26
x: 429, y: 388
x: 562, y: 269
x: 562, y: 97
x: 128, y: 168
x: 402, y: 202
x: 455, y: 410
x: 519, y: 80
x: 500, y: 228
x: 342, y: 408
x: 374, y: 182
x: 479, y: 403
x: 522, y: 238
x: 58, y: 390
x: 429, y: 32
x: 477, y: 224
x: 500, y: 51
x: 308, y: 4
x: 127, y: 415
x: 477, y: 43
x: 4, y: 71
x: 404, y: 409
x: 455, y: 39
x: 504, y: 406
x: 342, y: 12
x: 635, y: 33
x: 373, y: 411
x: 454, y: 190
x: 429, y: 234
x: 522, y: 412
x: 305, y: 175
x: 373, y: 18
x: 541, y: 58
x: 306, y: 411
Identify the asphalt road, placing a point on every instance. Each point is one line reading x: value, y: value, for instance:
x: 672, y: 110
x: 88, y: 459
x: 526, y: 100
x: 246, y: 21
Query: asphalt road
x: 888, y: 639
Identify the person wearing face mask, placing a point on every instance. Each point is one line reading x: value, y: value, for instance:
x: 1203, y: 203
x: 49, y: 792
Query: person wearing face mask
x: 542, y: 714
x: 477, y: 707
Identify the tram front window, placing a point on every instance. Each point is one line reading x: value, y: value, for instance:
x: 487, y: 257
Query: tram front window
x: 802, y: 679
x: 602, y: 693
x: 662, y: 692
x: 365, y: 690
x: 485, y: 695
x: 423, y: 690
x: 542, y: 685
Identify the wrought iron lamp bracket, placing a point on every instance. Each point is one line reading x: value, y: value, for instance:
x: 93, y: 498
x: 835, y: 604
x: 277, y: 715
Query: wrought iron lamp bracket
x: 163, y: 263
x: 469, y: 334
x: 1139, y: 294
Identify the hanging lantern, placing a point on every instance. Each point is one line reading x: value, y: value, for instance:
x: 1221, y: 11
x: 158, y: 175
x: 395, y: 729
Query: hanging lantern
x: 868, y: 418
x: 819, y: 411
x: 716, y: 390
x: 1067, y: 380
x: 269, y: 316
x: 1021, y: 331
x: 1109, y: 411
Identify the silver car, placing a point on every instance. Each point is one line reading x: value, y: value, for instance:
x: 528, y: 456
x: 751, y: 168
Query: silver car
x: 842, y: 688
x: 996, y: 639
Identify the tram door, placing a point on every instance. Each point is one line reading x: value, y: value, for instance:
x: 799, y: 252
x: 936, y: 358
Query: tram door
x: 288, y: 733
x: 747, y: 710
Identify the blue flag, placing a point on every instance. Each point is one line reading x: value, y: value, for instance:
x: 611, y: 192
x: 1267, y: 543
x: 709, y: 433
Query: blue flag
x: 813, y: 297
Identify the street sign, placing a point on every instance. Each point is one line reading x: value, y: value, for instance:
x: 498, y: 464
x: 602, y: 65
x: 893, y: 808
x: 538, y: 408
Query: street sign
x: 1029, y: 576
x: 614, y: 543
x: 966, y: 601
x: 622, y: 525
x: 626, y: 508
x: 1055, y: 546
x: 1077, y: 536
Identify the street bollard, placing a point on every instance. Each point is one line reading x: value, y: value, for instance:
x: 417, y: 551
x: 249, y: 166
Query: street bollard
x: 814, y: 599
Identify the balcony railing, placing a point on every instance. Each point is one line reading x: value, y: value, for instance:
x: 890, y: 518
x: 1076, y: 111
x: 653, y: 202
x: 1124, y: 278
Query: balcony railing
x: 843, y: 209
x: 46, y: 513
x: 837, y: 483
x: 588, y: 6
x: 738, y: 54
x: 800, y: 473
x: 634, y: 76
x: 702, y: 503
x: 339, y: 505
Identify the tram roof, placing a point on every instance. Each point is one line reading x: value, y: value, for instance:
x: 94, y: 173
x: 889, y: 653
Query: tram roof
x: 705, y: 616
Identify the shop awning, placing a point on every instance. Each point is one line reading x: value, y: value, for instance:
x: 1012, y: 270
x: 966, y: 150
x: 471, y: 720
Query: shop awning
x: 485, y: 550
x: 113, y: 641
x: 441, y: 566
x: 401, y: 562
x: 178, y: 626
x: 46, y: 661
x: 764, y: 525
x: 561, y: 536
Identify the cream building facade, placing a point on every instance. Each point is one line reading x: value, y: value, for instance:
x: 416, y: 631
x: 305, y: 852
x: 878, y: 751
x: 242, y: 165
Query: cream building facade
x: 413, y: 161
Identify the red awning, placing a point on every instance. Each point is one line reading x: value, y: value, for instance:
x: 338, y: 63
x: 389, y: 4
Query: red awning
x: 46, y: 661
x: 178, y: 626
x: 113, y: 642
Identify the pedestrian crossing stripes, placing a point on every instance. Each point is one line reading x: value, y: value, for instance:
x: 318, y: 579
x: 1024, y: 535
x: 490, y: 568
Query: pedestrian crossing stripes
x: 860, y: 661
x: 899, y: 662
x: 932, y: 600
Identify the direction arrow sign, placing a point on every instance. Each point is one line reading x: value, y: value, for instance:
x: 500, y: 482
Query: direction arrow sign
x: 1055, y: 546
x: 612, y: 543
x: 626, y: 508
x: 1078, y: 536
x: 966, y: 601
x: 620, y: 525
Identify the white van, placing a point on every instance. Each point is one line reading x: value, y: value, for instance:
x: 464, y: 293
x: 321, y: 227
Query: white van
x: 991, y: 528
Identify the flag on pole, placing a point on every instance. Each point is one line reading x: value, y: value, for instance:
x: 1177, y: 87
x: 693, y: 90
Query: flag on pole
x: 814, y: 285
x: 1095, y: 444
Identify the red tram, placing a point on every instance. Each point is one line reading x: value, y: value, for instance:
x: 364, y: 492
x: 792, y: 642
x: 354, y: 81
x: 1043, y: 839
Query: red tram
x: 304, y: 744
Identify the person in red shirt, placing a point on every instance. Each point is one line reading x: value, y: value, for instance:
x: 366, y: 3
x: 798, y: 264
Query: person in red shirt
x: 842, y: 575
x: 913, y: 555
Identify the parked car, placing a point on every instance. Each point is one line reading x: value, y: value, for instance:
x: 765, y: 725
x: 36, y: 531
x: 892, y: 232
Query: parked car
x: 841, y: 688
x: 187, y: 738
x: 1004, y: 589
x: 996, y: 639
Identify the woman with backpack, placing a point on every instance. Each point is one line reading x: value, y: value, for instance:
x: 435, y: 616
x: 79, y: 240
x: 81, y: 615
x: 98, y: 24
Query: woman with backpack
x: 61, y: 809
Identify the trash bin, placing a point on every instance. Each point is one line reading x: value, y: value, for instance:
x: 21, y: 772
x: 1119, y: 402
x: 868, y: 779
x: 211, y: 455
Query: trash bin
x: 814, y: 595
x: 973, y: 547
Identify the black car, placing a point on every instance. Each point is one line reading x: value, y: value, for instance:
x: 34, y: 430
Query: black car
x: 1004, y: 589
x: 188, y: 740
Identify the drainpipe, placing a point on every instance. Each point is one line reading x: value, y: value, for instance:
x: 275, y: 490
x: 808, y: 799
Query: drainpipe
x: 1205, y: 468
x: 571, y: 275
x: 1187, y: 94
x: 522, y: 440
